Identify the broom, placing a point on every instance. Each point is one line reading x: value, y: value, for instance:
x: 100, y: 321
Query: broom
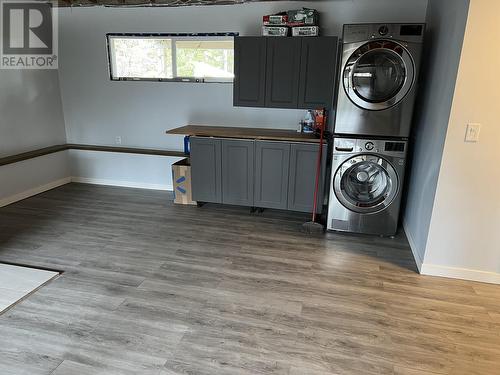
x: 312, y: 226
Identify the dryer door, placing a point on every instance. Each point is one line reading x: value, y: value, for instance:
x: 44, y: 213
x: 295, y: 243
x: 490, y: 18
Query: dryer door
x: 366, y: 183
x: 378, y: 75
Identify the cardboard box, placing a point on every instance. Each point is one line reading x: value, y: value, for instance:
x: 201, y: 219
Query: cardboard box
x: 275, y: 19
x: 303, y: 17
x: 275, y: 31
x: 181, y: 177
x: 305, y: 31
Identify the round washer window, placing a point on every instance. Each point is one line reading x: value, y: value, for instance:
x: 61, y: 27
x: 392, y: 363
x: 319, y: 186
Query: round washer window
x: 366, y: 184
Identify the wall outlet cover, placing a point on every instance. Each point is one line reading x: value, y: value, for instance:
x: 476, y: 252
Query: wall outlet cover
x: 118, y: 140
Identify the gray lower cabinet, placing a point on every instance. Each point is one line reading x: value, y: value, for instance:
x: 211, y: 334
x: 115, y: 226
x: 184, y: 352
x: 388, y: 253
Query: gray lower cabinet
x: 302, y: 177
x: 271, y: 174
x: 206, y: 169
x: 238, y: 158
x: 267, y: 174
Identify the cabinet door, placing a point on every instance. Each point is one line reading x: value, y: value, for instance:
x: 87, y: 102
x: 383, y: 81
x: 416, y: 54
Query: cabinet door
x: 318, y: 69
x: 282, y: 78
x: 272, y: 161
x: 206, y: 169
x: 301, y: 182
x: 238, y: 171
x: 249, y: 71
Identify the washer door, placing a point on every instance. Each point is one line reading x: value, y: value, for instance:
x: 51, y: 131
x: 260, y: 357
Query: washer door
x: 366, y: 183
x: 378, y: 75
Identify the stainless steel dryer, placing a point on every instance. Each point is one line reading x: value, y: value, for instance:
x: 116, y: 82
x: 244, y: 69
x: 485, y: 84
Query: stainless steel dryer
x: 377, y: 86
x: 367, y: 179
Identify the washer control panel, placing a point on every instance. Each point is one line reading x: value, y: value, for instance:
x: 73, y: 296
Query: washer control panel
x: 377, y: 146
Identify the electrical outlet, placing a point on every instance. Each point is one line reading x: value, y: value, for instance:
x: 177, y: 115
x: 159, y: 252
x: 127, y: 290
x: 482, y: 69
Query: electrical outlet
x: 472, y: 132
x: 118, y: 140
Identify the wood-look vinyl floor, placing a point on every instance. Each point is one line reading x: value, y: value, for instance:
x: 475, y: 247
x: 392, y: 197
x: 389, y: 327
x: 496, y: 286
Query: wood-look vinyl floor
x: 153, y: 288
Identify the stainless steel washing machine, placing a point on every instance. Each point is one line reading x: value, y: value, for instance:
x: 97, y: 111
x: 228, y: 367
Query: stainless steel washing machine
x: 366, y: 185
x: 377, y: 86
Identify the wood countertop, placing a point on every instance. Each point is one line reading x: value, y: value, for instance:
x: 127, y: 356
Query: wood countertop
x: 245, y: 133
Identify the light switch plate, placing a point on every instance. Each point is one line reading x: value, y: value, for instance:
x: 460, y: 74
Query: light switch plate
x: 472, y: 132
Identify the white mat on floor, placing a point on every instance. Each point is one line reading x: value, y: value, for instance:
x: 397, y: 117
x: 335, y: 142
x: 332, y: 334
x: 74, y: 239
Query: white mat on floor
x: 17, y: 282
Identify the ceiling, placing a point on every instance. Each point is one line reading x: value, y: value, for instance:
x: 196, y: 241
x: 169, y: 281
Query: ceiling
x: 163, y: 3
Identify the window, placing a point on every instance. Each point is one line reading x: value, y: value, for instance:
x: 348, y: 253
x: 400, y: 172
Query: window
x: 161, y: 57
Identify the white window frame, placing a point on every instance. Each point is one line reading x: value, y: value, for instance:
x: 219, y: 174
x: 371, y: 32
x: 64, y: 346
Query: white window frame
x: 174, y: 38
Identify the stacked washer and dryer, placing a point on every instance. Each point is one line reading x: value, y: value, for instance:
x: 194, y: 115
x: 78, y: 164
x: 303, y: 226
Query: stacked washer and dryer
x: 376, y: 95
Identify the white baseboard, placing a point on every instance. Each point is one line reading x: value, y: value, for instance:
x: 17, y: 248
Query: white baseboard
x: 34, y: 191
x: 460, y: 273
x: 129, y: 184
x: 445, y: 271
x: 413, y: 247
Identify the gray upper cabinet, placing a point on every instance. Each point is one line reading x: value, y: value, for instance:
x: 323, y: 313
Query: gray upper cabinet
x: 282, y: 77
x: 302, y: 177
x: 206, y: 163
x: 272, y: 161
x: 279, y: 72
x: 318, y: 64
x: 238, y: 157
x: 250, y: 71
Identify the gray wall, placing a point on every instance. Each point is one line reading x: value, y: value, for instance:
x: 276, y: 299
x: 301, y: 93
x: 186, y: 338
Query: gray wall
x: 97, y: 110
x: 30, y: 117
x: 31, y: 112
x: 464, y: 236
x: 109, y: 168
x: 30, y: 177
x: 446, y: 21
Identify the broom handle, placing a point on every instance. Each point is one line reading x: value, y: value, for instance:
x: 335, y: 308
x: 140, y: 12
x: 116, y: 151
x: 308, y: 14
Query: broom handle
x: 318, y: 172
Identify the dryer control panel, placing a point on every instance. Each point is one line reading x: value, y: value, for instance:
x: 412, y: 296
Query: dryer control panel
x: 409, y: 32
